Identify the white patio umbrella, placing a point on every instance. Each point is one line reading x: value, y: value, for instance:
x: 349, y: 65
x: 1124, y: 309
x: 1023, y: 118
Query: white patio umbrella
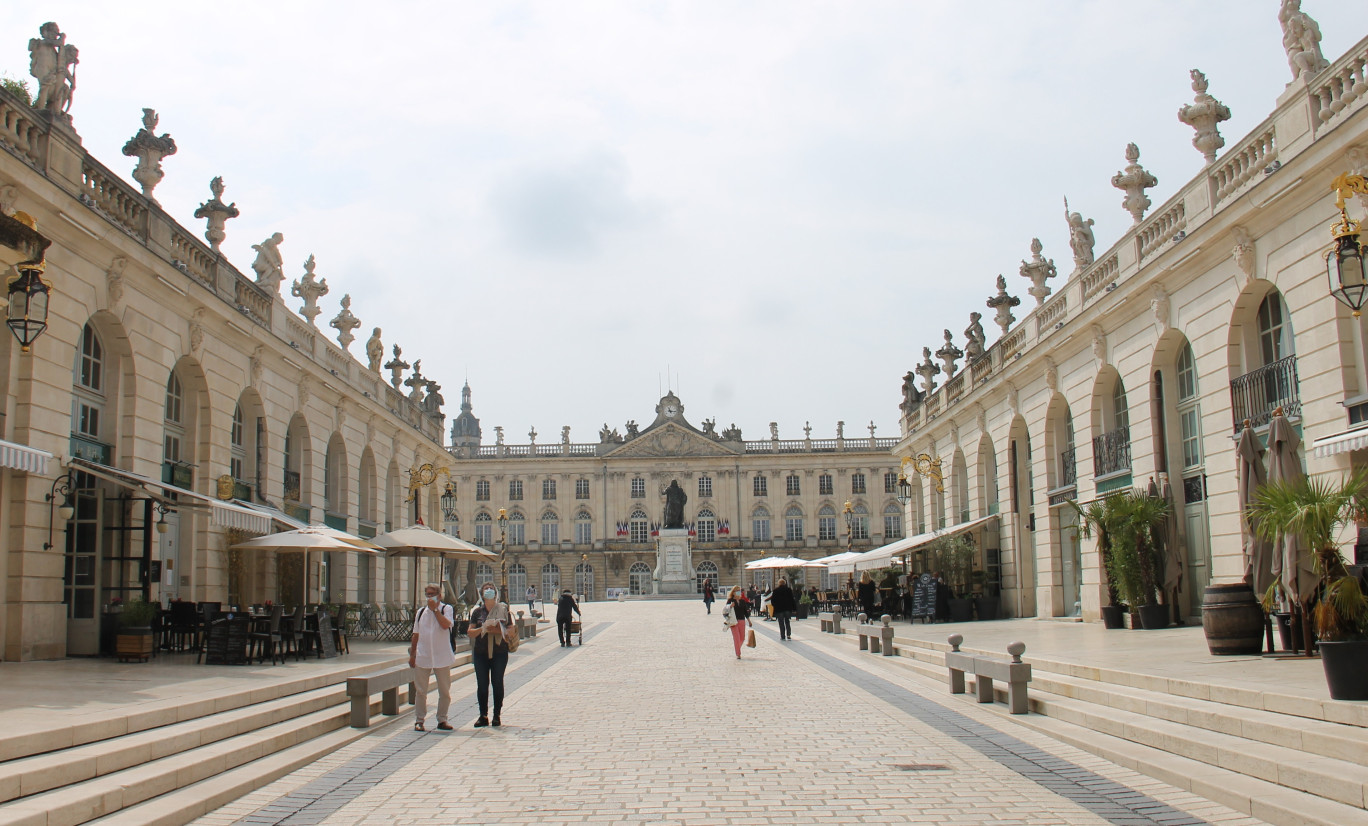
x: 303, y: 540
x: 780, y: 562
x: 421, y: 541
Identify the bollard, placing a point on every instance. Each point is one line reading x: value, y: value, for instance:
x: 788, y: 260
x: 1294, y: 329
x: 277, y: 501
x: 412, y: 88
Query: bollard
x: 887, y: 633
x: 860, y: 623
x: 1020, y: 673
x: 956, y: 674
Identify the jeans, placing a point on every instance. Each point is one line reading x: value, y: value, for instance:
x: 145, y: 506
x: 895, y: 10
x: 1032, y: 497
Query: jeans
x: 785, y: 630
x: 489, y: 670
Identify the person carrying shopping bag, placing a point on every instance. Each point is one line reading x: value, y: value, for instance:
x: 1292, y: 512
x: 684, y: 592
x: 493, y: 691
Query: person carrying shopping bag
x: 737, y: 615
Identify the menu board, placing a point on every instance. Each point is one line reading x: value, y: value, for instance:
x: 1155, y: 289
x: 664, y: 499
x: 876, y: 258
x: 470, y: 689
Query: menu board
x: 924, y: 597
x: 327, y: 646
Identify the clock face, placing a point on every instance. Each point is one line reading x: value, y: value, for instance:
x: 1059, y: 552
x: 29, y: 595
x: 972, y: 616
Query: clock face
x: 671, y: 410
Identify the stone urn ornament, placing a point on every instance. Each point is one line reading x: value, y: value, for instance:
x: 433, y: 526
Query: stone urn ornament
x: 149, y: 150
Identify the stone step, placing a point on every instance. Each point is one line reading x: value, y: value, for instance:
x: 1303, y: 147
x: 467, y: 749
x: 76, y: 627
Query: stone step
x: 1309, y: 758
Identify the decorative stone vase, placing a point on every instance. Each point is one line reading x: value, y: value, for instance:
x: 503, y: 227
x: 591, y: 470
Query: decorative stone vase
x: 1346, y: 668
x: 134, y: 645
x: 1113, y: 616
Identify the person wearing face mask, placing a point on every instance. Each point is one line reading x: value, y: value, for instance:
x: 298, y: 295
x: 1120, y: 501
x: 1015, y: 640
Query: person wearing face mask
x: 430, y: 653
x: 489, y: 627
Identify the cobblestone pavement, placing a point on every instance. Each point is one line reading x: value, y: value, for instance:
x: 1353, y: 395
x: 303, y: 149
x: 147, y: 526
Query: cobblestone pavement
x: 654, y: 721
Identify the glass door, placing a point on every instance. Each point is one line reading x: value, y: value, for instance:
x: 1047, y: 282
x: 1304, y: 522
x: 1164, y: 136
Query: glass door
x: 82, y: 577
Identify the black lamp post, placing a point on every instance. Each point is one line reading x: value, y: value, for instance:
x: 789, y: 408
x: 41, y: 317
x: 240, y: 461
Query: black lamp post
x: 28, y: 305
x: 449, y: 506
x: 1344, y: 264
x: 503, y: 552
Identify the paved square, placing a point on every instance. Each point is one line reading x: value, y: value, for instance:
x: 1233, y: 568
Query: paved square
x: 653, y: 720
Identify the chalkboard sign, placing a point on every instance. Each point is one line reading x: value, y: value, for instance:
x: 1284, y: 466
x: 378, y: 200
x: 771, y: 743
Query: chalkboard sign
x: 327, y: 646
x: 924, y: 597
x: 226, y: 642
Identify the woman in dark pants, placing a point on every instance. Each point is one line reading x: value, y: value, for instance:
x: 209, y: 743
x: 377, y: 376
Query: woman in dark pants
x: 489, y: 627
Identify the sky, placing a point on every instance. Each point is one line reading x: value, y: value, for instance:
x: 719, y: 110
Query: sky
x: 769, y: 206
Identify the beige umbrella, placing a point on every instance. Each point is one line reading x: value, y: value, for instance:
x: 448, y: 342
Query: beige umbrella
x: 1258, y: 552
x: 1171, y: 570
x: 304, y: 540
x: 1290, y: 566
x: 422, y: 541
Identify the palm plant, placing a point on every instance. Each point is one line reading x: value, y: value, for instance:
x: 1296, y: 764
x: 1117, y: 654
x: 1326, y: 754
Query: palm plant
x: 1316, y: 510
x: 1142, y: 516
x: 1101, y: 516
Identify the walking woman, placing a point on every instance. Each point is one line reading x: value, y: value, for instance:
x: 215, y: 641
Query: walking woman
x: 784, y: 607
x: 490, y: 623
x: 708, y: 594
x: 741, y: 610
x: 866, y: 595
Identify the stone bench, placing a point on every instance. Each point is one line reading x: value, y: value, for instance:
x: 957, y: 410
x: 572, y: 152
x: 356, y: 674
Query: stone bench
x: 876, y: 639
x: 387, y: 684
x: 1014, y: 672
x: 829, y: 621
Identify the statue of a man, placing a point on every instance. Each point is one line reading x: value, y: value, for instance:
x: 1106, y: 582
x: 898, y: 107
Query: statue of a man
x: 269, y: 266
x: 1081, y: 239
x: 374, y: 351
x: 52, y: 62
x: 675, y: 497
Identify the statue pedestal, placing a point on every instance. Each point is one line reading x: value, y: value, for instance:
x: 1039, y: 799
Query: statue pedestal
x: 674, y: 573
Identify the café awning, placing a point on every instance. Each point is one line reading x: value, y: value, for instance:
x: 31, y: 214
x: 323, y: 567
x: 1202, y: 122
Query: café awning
x: 884, y: 554
x: 223, y: 514
x: 1328, y: 446
x: 25, y: 458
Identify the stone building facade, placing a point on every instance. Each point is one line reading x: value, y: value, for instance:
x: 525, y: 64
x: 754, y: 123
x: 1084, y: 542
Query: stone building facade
x: 175, y: 404
x: 1142, y: 363
x: 585, y: 515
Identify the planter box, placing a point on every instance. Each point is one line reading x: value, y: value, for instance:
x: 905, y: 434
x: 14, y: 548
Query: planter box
x: 134, y: 645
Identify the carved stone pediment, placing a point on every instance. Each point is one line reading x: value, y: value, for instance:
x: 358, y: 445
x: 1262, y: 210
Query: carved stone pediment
x: 670, y: 439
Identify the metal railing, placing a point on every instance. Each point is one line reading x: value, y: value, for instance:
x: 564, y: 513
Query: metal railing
x: 1256, y: 394
x: 1068, y: 467
x: 1112, y: 452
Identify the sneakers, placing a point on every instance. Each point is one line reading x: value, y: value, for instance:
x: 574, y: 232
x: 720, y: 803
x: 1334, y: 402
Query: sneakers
x: 482, y: 722
x: 444, y: 726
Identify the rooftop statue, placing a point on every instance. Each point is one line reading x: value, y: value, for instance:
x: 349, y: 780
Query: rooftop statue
x: 310, y: 288
x: 216, y: 213
x: 975, y: 346
x: 149, y: 150
x: 1134, y: 180
x: 396, y: 366
x: 1081, y: 239
x: 1203, y: 114
x: 1003, y: 303
x: 269, y: 266
x: 1038, y: 270
x: 1301, y: 40
x: 345, y: 322
x: 53, y: 62
x: 375, y: 351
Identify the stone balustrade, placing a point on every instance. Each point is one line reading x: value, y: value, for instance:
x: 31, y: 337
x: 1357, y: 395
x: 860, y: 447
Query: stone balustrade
x: 1161, y: 229
x: 103, y: 191
x: 1242, y: 162
x: 1341, y: 86
x: 19, y: 132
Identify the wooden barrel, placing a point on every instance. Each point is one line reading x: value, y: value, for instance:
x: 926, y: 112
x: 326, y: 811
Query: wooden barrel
x: 1232, y: 619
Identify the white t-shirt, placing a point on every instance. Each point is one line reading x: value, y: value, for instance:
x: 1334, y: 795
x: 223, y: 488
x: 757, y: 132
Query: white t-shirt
x: 434, y: 641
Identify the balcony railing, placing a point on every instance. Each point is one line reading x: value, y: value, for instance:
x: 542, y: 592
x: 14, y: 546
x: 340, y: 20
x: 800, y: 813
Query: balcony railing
x: 291, y: 491
x: 1112, y: 452
x: 1256, y: 394
x: 1068, y: 467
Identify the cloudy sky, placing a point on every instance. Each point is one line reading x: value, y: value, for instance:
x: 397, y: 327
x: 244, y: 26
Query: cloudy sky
x: 778, y: 202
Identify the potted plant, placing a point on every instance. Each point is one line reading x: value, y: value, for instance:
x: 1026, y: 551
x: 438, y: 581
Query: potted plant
x: 133, y: 643
x: 804, y: 605
x: 1316, y: 510
x: 1101, y: 516
x: 1137, y: 542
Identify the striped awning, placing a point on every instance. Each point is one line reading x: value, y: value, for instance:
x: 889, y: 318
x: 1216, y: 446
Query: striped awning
x: 1327, y: 446
x: 23, y: 457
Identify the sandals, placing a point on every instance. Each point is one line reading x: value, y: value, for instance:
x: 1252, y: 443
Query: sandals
x: 419, y: 727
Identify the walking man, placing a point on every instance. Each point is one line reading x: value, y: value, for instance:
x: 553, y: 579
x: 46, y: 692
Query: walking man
x: 563, y: 608
x: 531, y: 599
x: 430, y: 652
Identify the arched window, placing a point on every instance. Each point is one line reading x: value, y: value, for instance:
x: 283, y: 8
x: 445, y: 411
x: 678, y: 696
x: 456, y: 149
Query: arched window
x: 860, y: 524
x: 639, y: 579
x: 584, y: 529
x: 1189, y: 416
x: 484, y: 530
x: 826, y: 522
x: 517, y: 530
x: 793, y: 524
x: 550, y: 581
x: 638, y: 528
x: 550, y: 528
x: 988, y: 477
x: 1275, y: 330
x: 174, y: 435
x: 893, y: 528
x: 705, y: 526
x: 705, y: 571
x: 584, y: 580
x: 760, y: 524
x: 237, y: 446
x: 88, y: 405
x: 517, y: 580
x: 961, y: 482
x: 1120, y: 410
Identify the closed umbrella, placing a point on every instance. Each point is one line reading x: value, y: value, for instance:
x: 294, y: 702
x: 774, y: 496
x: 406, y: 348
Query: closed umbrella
x: 1258, y: 552
x: 1290, y: 566
x: 1171, y: 563
x: 304, y: 540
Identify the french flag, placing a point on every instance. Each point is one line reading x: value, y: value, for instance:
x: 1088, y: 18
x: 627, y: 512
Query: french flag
x: 725, y: 528
x: 692, y: 530
x: 655, y: 529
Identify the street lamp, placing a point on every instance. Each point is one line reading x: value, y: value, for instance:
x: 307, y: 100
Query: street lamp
x: 449, y: 506
x: 28, y: 304
x: 1344, y: 264
x: 503, y: 552
x: 904, y: 490
x: 850, y: 525
x: 421, y: 477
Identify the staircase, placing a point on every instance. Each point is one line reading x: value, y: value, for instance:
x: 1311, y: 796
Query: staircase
x: 181, y: 760
x: 1289, y: 761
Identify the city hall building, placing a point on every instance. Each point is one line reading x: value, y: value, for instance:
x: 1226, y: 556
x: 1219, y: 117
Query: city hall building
x: 585, y: 515
x: 1144, y: 360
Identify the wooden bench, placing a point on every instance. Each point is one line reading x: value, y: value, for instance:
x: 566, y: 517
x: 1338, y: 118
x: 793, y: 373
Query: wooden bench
x: 830, y: 621
x: 1014, y: 672
x: 876, y: 639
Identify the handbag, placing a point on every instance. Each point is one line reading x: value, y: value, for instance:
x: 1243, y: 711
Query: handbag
x: 513, y: 639
x: 729, y: 616
x: 750, y: 638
